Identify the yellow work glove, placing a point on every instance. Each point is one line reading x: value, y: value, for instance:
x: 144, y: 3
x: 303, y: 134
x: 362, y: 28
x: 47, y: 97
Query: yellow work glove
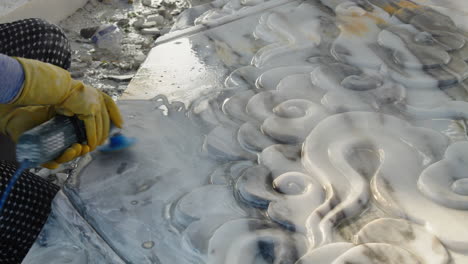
x: 46, y: 84
x: 15, y: 120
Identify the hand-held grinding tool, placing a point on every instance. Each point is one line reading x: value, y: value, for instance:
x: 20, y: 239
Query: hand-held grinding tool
x: 49, y: 140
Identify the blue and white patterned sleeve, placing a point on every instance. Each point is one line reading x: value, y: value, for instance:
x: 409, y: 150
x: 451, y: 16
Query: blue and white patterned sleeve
x: 11, y: 79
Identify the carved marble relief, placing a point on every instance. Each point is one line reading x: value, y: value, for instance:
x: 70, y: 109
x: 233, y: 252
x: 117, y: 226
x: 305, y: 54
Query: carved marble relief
x: 351, y: 105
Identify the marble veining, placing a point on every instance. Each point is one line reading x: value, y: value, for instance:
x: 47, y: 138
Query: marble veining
x: 67, y: 238
x: 386, y: 240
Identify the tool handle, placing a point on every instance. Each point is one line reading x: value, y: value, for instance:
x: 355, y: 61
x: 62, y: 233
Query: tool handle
x: 49, y: 140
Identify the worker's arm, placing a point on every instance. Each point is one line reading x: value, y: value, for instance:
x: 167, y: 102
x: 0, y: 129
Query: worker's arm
x: 48, y: 90
x: 11, y: 79
x: 15, y: 120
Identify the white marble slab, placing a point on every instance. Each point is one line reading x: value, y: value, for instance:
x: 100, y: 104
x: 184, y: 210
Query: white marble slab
x: 310, y: 132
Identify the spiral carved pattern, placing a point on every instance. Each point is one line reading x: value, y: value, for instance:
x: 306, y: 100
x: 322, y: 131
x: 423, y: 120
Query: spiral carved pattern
x: 340, y: 112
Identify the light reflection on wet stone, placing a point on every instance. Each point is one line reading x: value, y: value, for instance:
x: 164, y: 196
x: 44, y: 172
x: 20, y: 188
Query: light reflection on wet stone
x: 148, y: 244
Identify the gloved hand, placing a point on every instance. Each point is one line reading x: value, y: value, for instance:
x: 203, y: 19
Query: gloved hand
x: 15, y: 120
x: 46, y: 84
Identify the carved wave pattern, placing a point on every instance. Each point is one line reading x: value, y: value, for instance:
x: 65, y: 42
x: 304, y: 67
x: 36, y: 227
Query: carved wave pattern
x: 352, y: 105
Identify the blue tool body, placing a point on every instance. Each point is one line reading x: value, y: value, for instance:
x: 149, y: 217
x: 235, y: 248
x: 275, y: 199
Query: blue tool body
x: 49, y: 140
